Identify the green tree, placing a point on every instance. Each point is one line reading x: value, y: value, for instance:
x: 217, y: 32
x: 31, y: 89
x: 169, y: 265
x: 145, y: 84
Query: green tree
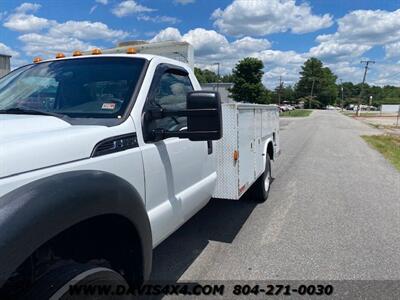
x: 287, y: 94
x: 318, y: 79
x: 247, y: 85
x: 227, y: 78
x: 205, y: 76
x: 380, y: 95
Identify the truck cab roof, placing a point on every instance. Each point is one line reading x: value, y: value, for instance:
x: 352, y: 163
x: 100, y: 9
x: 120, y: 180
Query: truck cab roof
x: 147, y: 57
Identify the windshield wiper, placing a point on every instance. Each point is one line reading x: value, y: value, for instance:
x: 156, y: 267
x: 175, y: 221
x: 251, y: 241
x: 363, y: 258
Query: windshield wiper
x: 28, y: 111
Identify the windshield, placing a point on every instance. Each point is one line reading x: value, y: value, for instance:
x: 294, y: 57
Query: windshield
x: 78, y: 88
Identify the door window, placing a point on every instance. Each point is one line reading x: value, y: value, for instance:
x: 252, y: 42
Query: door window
x: 171, y: 94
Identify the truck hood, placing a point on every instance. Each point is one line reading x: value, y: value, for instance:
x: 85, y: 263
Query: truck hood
x: 31, y: 142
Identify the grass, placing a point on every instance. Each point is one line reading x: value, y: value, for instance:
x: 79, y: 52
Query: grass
x: 296, y: 113
x: 380, y: 126
x: 367, y: 114
x: 388, y: 145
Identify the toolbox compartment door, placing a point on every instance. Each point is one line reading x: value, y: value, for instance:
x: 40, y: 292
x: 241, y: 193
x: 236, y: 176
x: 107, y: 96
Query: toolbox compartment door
x: 247, y: 149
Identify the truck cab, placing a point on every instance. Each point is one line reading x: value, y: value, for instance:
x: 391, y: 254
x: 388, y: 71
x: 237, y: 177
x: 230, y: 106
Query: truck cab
x: 102, y: 158
x: 104, y: 155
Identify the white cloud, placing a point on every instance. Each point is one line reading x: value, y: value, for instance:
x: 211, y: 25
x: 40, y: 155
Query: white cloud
x: 159, y: 19
x: 211, y: 46
x: 260, y: 17
x: 104, y: 2
x: 249, y: 44
x: 388, y: 74
x: 184, y: 2
x: 347, y: 70
x: 205, y: 42
x: 337, y: 51
x: 27, y: 7
x: 167, y: 34
x: 21, y: 21
x: 129, y: 7
x: 46, y: 44
x: 4, y: 49
x: 340, y: 51
x: 392, y: 50
x: 26, y: 23
x: 16, y: 59
x: 59, y: 37
x: 358, y: 32
x: 68, y: 36
x: 369, y: 27
x: 282, y: 58
x: 86, y: 30
x: 281, y: 63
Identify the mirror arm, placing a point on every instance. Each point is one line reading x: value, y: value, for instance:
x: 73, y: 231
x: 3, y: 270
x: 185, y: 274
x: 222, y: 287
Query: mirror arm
x: 159, y: 113
x: 160, y: 134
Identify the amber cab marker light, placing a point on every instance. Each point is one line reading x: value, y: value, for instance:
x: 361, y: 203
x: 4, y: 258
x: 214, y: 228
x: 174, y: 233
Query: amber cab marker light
x: 131, y: 51
x: 235, y: 155
x: 96, y: 51
x: 77, y: 53
x: 60, y: 55
x: 37, y: 60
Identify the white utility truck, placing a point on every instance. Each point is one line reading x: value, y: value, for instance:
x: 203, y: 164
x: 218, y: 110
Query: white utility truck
x: 103, y: 156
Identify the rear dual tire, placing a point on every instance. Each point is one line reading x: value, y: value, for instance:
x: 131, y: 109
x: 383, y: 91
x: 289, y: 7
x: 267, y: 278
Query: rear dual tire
x: 263, y: 184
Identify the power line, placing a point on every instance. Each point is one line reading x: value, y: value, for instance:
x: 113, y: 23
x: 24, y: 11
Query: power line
x: 390, y: 76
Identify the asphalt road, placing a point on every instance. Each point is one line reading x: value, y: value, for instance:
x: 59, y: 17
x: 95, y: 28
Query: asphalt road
x: 333, y: 213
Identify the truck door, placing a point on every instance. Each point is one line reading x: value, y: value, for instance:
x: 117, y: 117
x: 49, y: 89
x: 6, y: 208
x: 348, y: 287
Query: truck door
x: 180, y: 174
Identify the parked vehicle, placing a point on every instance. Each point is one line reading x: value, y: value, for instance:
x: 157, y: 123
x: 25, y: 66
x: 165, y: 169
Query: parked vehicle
x: 331, y: 107
x: 283, y: 108
x: 104, y: 156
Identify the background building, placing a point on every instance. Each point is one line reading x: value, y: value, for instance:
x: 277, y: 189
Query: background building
x: 390, y: 108
x: 4, y: 64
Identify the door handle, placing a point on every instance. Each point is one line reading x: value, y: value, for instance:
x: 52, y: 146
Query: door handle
x: 209, y: 147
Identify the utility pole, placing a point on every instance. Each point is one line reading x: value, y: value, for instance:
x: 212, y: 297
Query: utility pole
x: 312, y: 91
x: 370, y: 102
x: 280, y: 90
x: 366, y: 62
x: 218, y: 64
x: 341, y: 87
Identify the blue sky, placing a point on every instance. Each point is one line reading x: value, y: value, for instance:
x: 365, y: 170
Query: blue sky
x: 283, y: 33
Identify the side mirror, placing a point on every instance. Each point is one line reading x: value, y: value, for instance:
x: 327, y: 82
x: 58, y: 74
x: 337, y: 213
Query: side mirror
x: 204, y: 117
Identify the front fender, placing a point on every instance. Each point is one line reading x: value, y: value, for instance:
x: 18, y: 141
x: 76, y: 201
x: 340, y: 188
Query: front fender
x: 36, y: 212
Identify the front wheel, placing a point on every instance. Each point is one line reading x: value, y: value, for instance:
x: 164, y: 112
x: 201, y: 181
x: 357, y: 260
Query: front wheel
x: 79, y: 281
x: 262, y: 185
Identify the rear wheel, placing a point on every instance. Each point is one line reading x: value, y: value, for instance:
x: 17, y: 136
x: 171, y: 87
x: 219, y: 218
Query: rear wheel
x: 96, y: 283
x: 262, y: 185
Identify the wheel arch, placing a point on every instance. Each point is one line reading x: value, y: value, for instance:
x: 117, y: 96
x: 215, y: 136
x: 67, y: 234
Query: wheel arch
x: 269, y: 149
x: 38, y: 212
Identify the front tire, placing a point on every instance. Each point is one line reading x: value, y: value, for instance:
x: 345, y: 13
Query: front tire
x: 56, y: 283
x: 263, y: 184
